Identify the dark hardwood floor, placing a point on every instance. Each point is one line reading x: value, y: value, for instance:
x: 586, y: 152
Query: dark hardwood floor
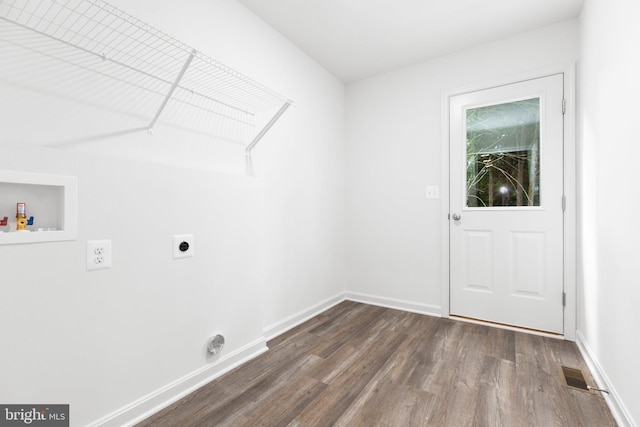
x: 361, y: 365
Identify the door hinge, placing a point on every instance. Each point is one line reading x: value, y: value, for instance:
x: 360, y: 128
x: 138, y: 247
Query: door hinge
x: 564, y: 105
x: 564, y: 203
x: 564, y: 299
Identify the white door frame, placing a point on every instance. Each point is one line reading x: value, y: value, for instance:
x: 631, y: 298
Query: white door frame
x: 570, y: 192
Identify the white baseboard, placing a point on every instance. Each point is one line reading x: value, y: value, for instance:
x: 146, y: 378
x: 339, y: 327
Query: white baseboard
x: 148, y: 405
x: 294, y: 320
x: 618, y: 410
x: 413, y: 307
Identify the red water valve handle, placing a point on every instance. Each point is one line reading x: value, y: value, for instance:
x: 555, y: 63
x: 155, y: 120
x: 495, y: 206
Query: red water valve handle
x: 4, y: 222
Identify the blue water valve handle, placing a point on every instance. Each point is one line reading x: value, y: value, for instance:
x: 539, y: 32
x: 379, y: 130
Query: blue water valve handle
x: 30, y: 222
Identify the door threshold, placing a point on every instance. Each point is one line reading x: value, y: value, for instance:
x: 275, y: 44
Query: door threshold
x: 507, y: 327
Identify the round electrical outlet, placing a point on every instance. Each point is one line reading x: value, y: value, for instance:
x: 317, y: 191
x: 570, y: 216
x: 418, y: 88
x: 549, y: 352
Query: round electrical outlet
x: 183, y: 245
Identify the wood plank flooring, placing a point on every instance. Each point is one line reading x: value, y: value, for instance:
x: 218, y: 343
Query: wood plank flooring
x: 361, y: 365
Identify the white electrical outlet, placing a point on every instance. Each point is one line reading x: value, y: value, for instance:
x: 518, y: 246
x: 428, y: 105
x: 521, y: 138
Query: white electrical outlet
x: 98, y: 254
x: 183, y: 245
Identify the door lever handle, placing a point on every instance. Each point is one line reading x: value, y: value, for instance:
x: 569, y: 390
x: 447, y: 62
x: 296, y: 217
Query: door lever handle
x: 456, y: 217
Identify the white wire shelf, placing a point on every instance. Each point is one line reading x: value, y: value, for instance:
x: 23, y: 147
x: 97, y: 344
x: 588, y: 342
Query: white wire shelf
x: 160, y: 78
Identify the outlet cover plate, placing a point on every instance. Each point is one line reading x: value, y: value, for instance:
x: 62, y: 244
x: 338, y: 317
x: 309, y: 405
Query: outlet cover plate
x: 183, y: 246
x: 98, y: 254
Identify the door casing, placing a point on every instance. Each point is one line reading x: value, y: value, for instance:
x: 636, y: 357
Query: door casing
x: 570, y: 169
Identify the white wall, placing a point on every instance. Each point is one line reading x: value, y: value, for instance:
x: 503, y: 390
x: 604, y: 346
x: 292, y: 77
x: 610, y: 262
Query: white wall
x: 301, y: 159
x: 101, y: 340
x: 394, y: 152
x: 609, y: 288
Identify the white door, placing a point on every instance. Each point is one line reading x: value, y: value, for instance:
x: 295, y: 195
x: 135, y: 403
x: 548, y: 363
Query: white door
x: 506, y: 198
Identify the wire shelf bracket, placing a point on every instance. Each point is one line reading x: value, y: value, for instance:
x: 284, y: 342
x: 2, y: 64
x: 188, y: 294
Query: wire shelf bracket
x: 170, y: 93
x: 177, y: 82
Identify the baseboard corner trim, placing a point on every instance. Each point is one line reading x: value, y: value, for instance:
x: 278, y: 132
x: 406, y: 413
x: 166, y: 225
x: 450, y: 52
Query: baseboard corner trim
x: 148, y: 405
x: 618, y: 410
x: 302, y: 316
x: 397, y: 304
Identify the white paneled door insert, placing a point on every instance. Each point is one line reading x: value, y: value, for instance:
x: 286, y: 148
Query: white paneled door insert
x: 506, y: 204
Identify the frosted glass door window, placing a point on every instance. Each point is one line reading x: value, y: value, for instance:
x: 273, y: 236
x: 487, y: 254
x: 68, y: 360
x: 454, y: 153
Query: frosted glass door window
x: 503, y: 154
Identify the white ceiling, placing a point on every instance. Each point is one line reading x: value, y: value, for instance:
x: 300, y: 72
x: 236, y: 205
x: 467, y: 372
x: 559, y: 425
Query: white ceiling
x: 354, y: 39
